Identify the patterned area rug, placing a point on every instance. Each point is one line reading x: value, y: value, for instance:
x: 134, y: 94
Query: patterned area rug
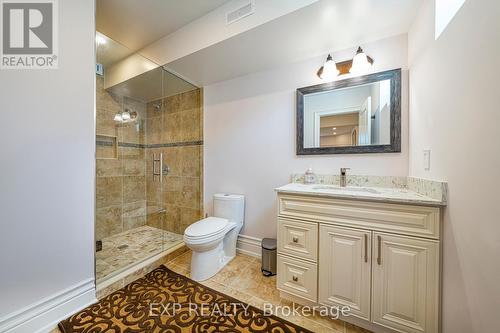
x: 164, y: 301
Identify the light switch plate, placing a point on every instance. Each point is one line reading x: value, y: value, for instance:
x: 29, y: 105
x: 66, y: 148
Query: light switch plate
x: 427, y: 159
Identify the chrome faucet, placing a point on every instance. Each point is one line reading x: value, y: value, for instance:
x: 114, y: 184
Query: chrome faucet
x: 343, y: 176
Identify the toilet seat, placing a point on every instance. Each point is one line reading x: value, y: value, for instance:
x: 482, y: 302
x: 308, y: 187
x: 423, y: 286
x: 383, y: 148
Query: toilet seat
x: 206, y: 228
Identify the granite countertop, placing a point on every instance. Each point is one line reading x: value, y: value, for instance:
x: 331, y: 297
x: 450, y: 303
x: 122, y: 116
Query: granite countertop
x: 380, y: 194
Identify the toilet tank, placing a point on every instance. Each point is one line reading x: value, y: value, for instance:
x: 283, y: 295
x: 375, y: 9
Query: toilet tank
x: 230, y: 206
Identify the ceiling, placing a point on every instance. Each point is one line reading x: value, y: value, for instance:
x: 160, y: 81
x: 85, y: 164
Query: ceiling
x: 325, y: 26
x: 109, y: 51
x: 137, y: 23
x: 152, y: 85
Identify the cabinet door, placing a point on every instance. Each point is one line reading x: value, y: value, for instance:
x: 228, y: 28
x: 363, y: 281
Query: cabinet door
x: 344, y: 269
x: 405, y: 290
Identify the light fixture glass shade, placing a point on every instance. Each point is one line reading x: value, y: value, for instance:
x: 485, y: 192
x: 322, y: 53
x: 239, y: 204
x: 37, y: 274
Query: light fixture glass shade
x: 329, y: 70
x: 360, y: 63
x: 100, y: 40
x: 118, y: 117
x: 126, y: 116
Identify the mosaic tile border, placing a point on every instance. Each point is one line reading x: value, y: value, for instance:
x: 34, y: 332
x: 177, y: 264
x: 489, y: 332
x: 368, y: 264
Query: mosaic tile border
x: 151, y: 145
x: 175, y: 144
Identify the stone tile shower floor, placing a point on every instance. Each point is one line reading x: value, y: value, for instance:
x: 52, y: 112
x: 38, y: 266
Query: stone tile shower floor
x: 127, y: 248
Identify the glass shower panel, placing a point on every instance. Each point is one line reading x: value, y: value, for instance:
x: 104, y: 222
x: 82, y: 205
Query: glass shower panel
x: 183, y: 150
x: 149, y: 146
x: 174, y: 139
x: 123, y: 236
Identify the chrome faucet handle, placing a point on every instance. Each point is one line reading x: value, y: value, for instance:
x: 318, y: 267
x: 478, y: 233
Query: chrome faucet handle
x: 343, y: 171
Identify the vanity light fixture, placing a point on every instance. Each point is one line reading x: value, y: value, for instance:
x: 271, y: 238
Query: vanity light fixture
x: 329, y: 70
x: 361, y: 63
x: 125, y: 116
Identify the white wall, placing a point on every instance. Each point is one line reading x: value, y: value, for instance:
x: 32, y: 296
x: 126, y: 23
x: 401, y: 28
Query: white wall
x: 454, y: 111
x: 250, y: 134
x: 47, y: 169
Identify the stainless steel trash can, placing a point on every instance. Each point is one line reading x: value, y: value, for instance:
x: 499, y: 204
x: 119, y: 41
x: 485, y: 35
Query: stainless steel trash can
x: 268, y: 256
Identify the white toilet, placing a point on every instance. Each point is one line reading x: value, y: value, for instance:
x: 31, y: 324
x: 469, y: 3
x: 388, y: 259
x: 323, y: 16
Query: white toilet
x: 213, y: 239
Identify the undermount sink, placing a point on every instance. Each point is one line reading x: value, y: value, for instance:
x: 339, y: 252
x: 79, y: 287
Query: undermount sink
x: 347, y: 189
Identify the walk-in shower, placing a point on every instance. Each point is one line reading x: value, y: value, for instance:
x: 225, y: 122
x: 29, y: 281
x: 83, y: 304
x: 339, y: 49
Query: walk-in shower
x: 148, y: 161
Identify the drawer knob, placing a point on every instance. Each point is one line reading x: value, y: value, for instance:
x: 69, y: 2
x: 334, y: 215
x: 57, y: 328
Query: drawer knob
x: 295, y: 278
x: 295, y: 239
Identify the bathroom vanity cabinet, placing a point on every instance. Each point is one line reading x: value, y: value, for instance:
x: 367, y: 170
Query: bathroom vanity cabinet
x: 380, y: 259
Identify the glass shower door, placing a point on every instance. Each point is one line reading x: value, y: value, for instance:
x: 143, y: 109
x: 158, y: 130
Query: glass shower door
x: 174, y: 186
x: 148, y: 165
x: 123, y: 237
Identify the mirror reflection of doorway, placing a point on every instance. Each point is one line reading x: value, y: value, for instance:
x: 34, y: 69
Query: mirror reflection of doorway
x: 365, y: 122
x: 336, y: 130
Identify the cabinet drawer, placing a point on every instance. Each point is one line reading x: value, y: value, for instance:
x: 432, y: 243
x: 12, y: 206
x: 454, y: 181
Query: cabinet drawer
x: 297, y: 277
x: 298, y: 238
x: 397, y: 218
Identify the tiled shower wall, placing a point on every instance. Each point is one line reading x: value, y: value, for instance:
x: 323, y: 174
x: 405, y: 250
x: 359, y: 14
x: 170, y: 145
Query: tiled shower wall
x: 127, y: 194
x: 174, y: 128
x: 120, y: 176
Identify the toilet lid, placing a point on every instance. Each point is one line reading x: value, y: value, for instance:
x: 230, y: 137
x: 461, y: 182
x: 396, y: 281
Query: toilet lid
x: 206, y: 227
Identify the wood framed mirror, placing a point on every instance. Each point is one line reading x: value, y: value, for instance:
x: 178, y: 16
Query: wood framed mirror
x: 352, y: 116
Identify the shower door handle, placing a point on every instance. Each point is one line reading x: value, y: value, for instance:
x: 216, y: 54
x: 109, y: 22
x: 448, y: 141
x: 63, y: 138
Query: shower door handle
x: 161, y: 167
x: 158, y: 160
x: 163, y: 171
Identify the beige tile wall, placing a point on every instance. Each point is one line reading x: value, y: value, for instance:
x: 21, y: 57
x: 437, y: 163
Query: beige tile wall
x: 179, y: 119
x: 120, y: 181
x: 177, y: 122
x: 125, y: 185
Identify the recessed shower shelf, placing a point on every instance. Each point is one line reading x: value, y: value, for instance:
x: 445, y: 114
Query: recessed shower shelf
x: 106, y: 147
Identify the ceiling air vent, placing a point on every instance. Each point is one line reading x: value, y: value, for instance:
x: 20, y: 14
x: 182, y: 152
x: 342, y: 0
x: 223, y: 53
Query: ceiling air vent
x: 241, y: 12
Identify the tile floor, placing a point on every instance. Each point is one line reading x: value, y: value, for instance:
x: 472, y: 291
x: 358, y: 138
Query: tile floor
x: 127, y: 248
x: 243, y: 280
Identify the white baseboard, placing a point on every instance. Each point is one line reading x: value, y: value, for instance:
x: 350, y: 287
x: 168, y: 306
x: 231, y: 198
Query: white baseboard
x: 249, y: 245
x: 43, y: 316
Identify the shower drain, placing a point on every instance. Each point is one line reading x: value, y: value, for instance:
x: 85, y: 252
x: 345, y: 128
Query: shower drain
x: 122, y: 247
